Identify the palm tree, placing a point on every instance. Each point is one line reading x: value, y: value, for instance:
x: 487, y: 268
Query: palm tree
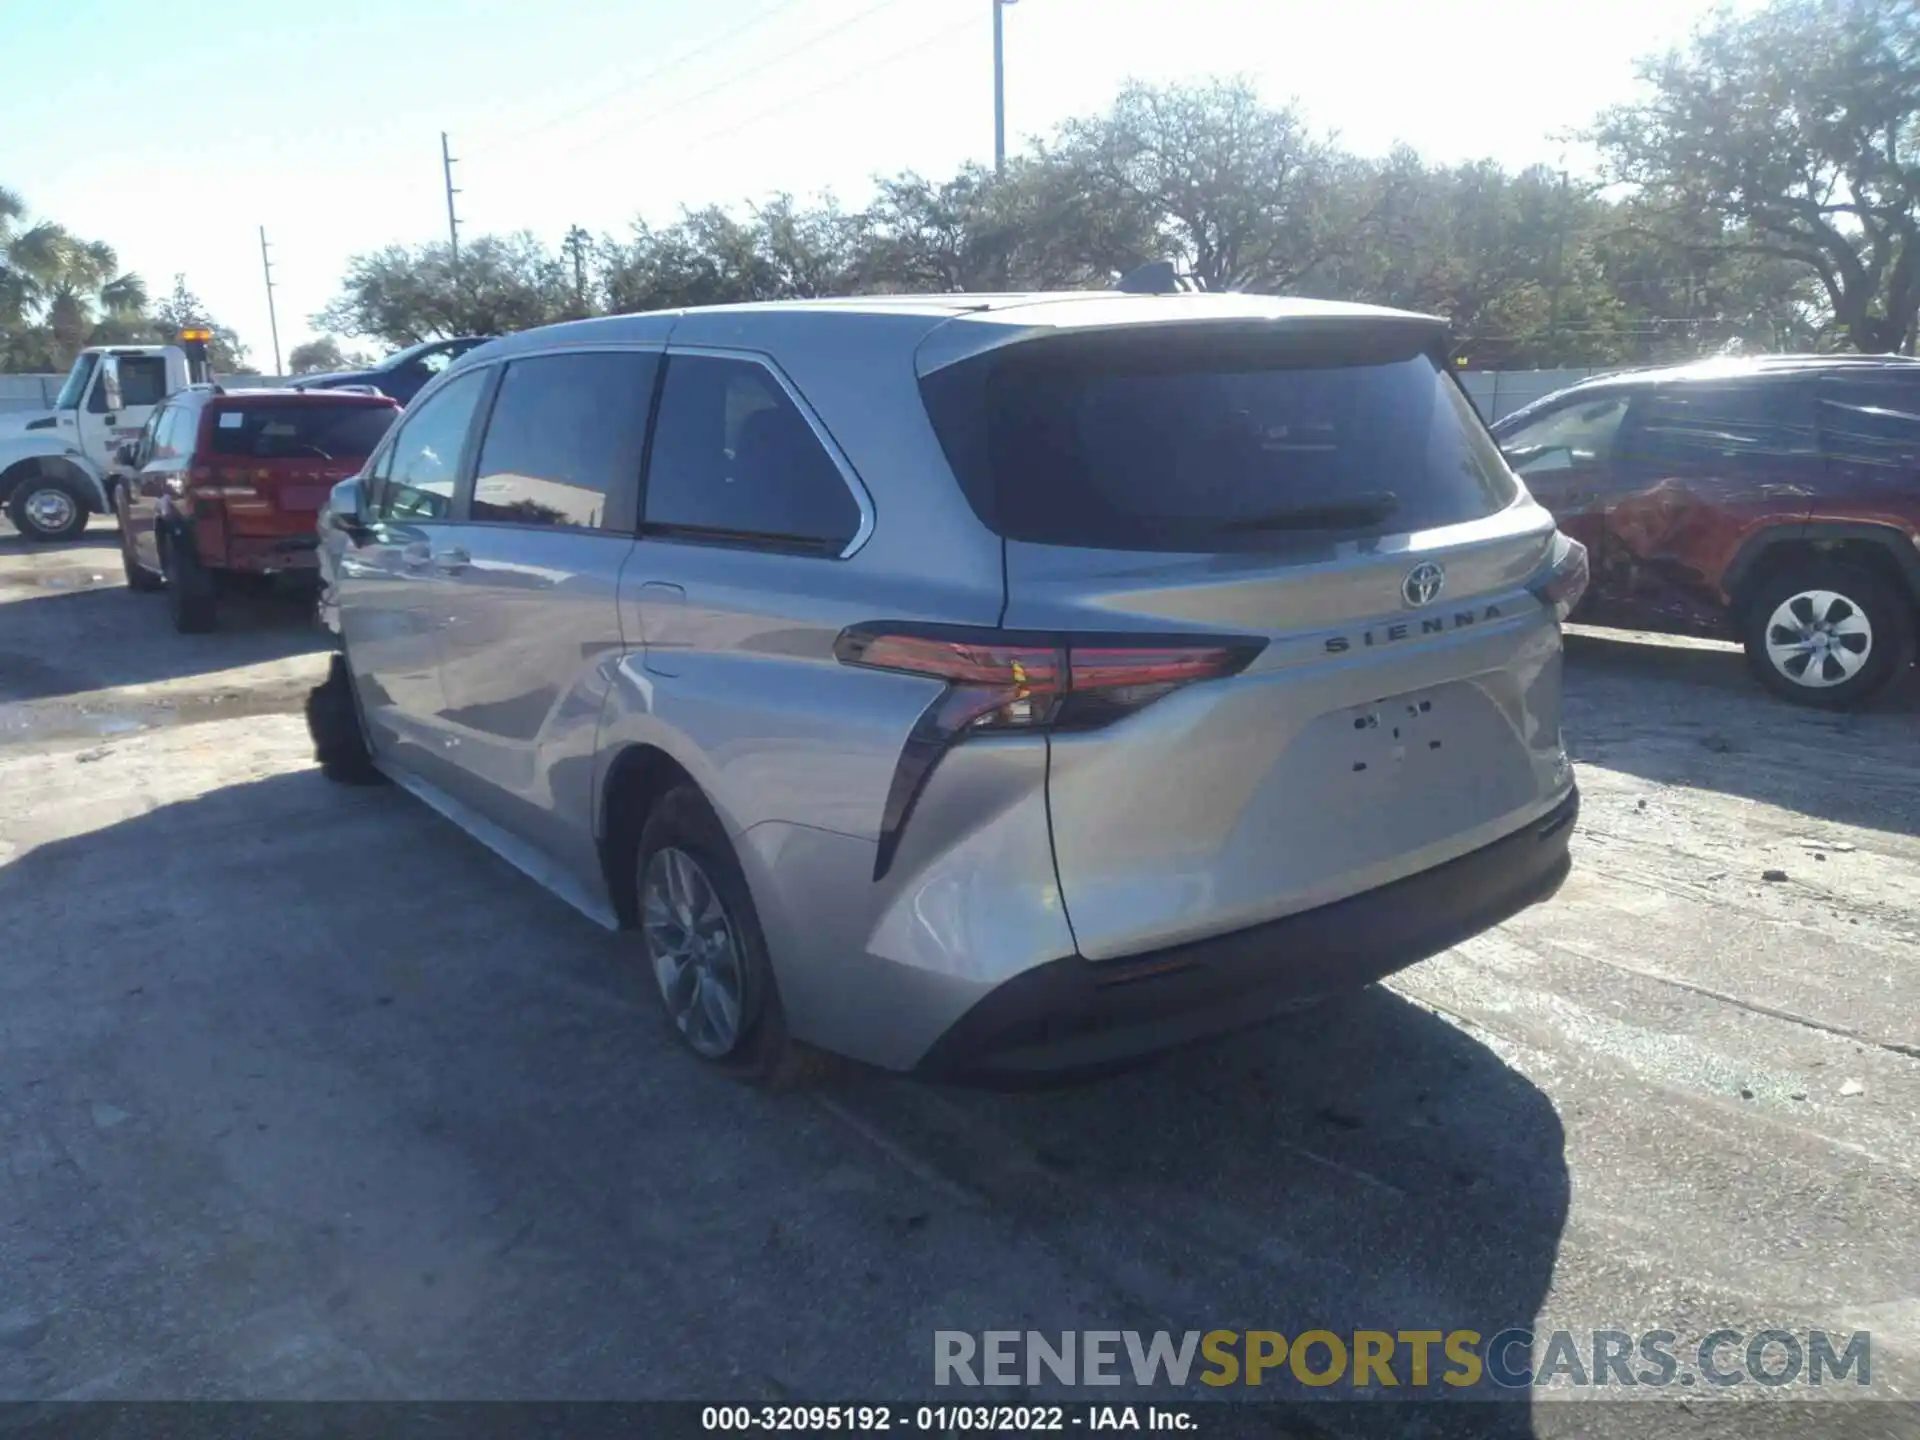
x: 55, y: 288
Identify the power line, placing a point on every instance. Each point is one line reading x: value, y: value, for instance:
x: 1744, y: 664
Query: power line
x: 834, y: 84
x: 728, y: 82
x: 766, y: 12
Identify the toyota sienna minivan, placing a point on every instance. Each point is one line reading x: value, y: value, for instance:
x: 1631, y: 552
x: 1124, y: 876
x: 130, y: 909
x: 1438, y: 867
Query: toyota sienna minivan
x: 984, y: 686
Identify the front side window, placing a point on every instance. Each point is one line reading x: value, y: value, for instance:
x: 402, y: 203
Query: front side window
x: 735, y: 462
x: 418, y: 477
x: 76, y: 382
x: 565, y: 437
x: 145, y: 446
x: 1572, y: 436
x: 171, y: 427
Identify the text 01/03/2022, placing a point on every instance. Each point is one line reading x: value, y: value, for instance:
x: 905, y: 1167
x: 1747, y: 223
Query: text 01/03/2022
x: 941, y: 1419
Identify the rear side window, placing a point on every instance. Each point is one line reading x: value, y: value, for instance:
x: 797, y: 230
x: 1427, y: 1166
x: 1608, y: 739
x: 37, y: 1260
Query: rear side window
x: 1570, y: 436
x: 143, y: 380
x: 1873, y: 421
x: 565, y: 440
x: 735, y: 462
x: 300, y: 432
x: 1208, y: 442
x: 1725, y: 426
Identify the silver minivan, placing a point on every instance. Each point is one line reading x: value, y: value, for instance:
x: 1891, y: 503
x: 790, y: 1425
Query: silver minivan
x: 986, y: 686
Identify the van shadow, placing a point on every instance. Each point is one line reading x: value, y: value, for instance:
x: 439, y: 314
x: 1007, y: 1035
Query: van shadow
x: 69, y: 626
x: 276, y: 1004
x: 1367, y: 1165
x: 1690, y: 716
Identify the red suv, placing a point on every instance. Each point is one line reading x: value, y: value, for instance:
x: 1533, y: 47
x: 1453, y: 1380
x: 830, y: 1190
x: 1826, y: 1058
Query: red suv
x: 1775, y: 499
x: 224, y: 484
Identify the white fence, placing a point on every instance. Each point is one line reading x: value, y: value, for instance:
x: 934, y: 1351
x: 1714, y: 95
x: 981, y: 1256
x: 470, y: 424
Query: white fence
x: 1501, y: 392
x: 36, y: 392
x: 1496, y: 392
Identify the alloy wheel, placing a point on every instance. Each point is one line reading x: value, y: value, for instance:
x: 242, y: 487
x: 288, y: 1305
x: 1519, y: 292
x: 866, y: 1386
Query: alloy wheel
x: 695, y: 951
x: 1819, y: 638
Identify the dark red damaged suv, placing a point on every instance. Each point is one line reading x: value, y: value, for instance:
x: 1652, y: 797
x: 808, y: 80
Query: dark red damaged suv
x: 1775, y: 499
x: 224, y: 485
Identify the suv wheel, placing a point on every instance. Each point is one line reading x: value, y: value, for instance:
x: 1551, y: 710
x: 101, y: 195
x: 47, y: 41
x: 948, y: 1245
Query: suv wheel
x: 190, y: 589
x: 46, y: 507
x: 1827, y: 633
x: 702, y: 939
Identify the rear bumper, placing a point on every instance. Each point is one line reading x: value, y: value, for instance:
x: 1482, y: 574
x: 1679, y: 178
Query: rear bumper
x: 1075, y: 1014
x: 265, y: 553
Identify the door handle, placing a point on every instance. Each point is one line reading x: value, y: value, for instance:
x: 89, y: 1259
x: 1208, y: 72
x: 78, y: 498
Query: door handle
x: 451, y: 561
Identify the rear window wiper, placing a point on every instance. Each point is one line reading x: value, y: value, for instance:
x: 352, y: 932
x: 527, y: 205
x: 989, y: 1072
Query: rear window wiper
x: 1351, y: 513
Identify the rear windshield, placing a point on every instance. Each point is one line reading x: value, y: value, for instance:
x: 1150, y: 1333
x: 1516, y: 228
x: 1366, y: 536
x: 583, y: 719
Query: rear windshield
x: 301, y: 432
x: 1151, y: 444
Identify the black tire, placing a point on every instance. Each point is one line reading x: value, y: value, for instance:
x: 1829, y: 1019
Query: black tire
x: 23, y: 506
x: 765, y: 1054
x: 191, y: 592
x: 138, y: 576
x: 333, y: 723
x: 1859, y: 596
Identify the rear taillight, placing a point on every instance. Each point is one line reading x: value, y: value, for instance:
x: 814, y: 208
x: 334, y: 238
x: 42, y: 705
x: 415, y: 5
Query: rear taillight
x: 209, y: 482
x: 1002, y: 681
x: 1564, y: 581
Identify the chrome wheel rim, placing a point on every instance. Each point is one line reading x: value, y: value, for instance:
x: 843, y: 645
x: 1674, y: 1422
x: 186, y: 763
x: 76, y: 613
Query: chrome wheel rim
x: 50, y: 509
x: 1819, y: 638
x: 695, y: 952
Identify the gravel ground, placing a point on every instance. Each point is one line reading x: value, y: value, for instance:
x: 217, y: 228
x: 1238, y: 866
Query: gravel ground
x: 305, y: 1095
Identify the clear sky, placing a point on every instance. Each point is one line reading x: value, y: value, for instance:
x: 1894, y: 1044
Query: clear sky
x: 322, y: 121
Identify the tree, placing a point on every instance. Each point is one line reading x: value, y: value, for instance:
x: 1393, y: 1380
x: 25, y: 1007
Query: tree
x: 1241, y: 192
x: 183, y: 309
x: 405, y: 295
x: 57, y: 291
x: 780, y: 250
x: 1791, y: 135
x: 323, y: 353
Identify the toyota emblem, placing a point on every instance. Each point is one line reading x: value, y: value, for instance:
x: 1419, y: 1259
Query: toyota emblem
x: 1423, y: 584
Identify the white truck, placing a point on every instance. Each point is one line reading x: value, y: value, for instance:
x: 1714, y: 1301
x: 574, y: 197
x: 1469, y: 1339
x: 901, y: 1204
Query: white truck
x: 56, y: 469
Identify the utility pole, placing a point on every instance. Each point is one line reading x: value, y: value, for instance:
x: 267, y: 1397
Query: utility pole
x: 273, y: 320
x: 999, y: 87
x: 1559, y: 271
x: 576, y: 245
x: 453, y: 224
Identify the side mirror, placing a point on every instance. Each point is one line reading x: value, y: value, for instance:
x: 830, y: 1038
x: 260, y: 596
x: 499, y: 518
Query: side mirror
x: 123, y: 454
x: 343, y: 509
x: 110, y: 382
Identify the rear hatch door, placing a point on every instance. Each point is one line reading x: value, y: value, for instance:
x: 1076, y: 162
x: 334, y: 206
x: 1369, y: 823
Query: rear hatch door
x: 1325, y: 489
x: 290, y: 454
